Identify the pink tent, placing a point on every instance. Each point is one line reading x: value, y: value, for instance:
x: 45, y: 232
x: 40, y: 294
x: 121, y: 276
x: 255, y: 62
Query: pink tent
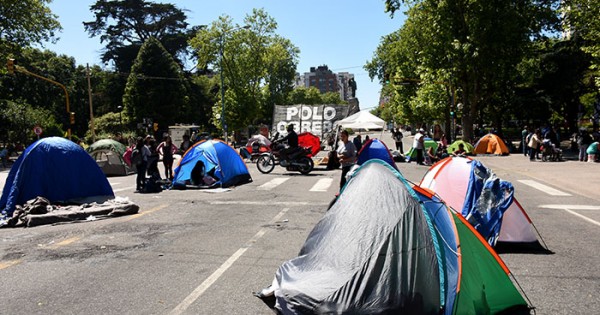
x: 449, y: 178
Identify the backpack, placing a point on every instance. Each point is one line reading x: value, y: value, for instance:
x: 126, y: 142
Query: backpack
x: 152, y: 184
x: 136, y: 157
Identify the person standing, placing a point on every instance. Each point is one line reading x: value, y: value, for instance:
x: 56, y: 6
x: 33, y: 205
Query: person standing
x: 139, y: 157
x: 583, y: 141
x: 524, y: 134
x: 419, y: 145
x: 347, y: 156
x: 397, y: 135
x: 357, y: 142
x: 437, y: 132
x: 534, y: 144
x: 167, y: 149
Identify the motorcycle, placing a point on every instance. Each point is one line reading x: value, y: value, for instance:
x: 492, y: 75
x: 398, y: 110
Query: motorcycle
x: 296, y: 160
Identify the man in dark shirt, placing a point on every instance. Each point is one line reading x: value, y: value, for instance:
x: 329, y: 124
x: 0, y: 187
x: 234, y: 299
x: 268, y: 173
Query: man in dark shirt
x: 292, y: 141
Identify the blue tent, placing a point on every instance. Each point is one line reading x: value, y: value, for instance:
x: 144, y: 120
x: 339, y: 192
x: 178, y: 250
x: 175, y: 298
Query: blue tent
x: 220, y: 160
x: 56, y: 169
x: 375, y: 149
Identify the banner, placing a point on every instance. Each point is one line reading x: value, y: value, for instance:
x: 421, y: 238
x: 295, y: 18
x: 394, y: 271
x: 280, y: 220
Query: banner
x: 316, y: 119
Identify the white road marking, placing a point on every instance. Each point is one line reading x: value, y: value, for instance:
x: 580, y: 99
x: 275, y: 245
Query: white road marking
x: 570, y: 208
x: 115, y: 183
x: 182, y: 307
x: 272, y: 183
x: 322, y: 185
x: 122, y: 189
x: 541, y: 187
x: 261, y: 203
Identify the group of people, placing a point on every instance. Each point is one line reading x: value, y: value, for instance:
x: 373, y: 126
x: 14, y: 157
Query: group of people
x: 146, y: 153
x: 428, y: 155
x: 535, y: 140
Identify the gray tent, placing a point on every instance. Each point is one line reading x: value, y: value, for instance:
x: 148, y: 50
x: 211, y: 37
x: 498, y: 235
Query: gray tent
x: 108, y: 154
x: 371, y: 253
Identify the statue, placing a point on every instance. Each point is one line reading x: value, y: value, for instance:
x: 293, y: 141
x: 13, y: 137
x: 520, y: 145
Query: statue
x: 352, y: 85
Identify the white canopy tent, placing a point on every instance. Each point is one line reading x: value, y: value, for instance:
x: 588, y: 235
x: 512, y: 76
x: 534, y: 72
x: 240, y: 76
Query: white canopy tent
x: 361, y: 120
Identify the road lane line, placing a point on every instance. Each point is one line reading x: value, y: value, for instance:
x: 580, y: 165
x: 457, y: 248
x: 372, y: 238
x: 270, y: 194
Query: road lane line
x: 569, y: 208
x: 122, y: 189
x: 541, y: 187
x: 6, y: 264
x: 322, y: 185
x: 272, y: 183
x: 182, y: 307
x: 65, y: 242
x: 270, y: 203
x: 572, y: 207
x: 139, y: 214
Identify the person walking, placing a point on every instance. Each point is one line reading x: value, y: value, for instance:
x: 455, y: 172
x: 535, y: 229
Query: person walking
x: 347, y: 156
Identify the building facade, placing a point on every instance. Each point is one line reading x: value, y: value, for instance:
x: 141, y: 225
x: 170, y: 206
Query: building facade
x: 325, y: 80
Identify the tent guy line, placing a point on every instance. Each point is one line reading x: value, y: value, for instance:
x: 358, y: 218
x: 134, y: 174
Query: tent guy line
x: 182, y: 307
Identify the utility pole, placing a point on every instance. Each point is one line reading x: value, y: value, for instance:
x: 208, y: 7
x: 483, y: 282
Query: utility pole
x: 87, y: 73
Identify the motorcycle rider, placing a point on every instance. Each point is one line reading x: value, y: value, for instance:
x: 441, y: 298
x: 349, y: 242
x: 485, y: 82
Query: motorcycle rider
x: 292, y: 141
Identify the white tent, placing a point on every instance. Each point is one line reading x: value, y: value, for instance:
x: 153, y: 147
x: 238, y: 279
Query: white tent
x: 361, y: 120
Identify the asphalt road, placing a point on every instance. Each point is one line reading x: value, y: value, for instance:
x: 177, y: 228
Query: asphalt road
x: 206, y: 251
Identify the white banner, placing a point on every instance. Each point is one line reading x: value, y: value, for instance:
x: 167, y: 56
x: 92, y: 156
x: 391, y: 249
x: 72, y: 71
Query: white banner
x: 316, y: 119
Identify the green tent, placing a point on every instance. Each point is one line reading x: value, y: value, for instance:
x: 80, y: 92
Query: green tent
x: 485, y: 285
x: 108, y: 154
x: 412, y: 153
x: 468, y: 147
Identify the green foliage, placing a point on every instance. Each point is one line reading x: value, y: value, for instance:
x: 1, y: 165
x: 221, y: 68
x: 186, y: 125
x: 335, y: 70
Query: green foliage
x: 25, y: 22
x: 257, y: 67
x: 156, y: 88
x: 582, y: 20
x: 473, y: 46
x: 126, y: 25
x: 18, y: 119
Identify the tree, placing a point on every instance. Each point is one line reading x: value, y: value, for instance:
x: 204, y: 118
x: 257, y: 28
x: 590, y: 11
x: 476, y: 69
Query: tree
x: 126, y: 24
x: 472, y: 45
x: 24, y: 22
x: 156, y: 88
x: 249, y: 58
x: 582, y: 21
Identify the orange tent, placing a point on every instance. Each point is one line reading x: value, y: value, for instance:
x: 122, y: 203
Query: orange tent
x: 491, y: 144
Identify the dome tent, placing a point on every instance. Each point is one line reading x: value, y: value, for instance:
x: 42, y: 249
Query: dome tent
x: 451, y: 179
x: 218, y: 158
x: 56, y: 169
x: 386, y: 247
x: 108, y: 153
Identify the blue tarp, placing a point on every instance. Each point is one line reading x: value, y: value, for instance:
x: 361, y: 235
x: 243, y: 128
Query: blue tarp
x: 375, y: 149
x: 488, y: 197
x: 229, y: 168
x: 56, y: 169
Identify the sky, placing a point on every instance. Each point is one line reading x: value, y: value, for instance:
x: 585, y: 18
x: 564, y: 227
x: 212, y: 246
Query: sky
x: 340, y: 34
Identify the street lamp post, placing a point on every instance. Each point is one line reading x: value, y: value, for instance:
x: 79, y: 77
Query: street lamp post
x: 221, y: 57
x: 120, y: 108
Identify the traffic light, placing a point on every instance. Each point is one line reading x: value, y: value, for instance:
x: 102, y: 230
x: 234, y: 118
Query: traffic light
x: 10, y: 65
x: 452, y: 114
x: 72, y: 118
